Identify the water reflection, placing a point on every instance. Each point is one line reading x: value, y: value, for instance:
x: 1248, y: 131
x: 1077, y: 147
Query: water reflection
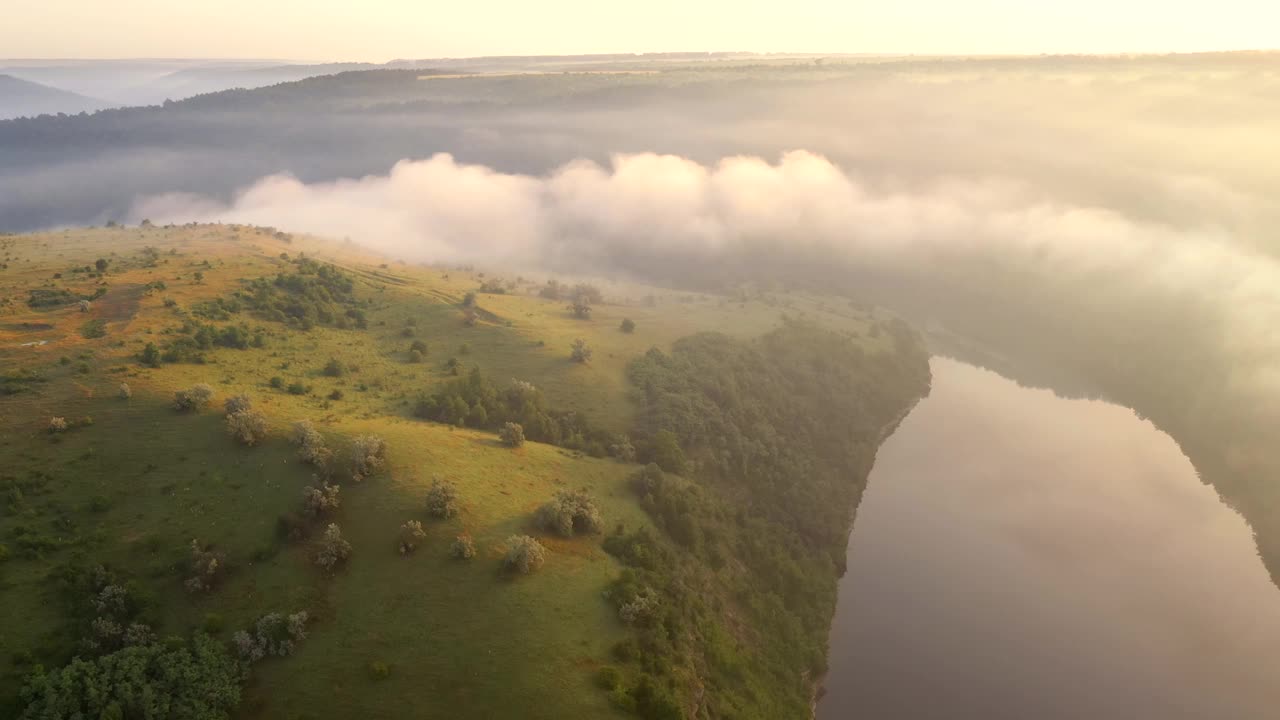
x: 1018, y: 555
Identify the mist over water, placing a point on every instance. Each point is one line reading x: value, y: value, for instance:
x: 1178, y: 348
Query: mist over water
x: 1021, y: 555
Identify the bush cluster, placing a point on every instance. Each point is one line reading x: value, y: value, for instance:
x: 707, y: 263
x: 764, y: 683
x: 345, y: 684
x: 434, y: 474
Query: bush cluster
x: 570, y: 513
x: 333, y: 549
x: 442, y: 499
x: 524, y: 554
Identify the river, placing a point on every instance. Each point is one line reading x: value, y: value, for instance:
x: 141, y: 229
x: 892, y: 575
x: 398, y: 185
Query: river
x: 1020, y: 555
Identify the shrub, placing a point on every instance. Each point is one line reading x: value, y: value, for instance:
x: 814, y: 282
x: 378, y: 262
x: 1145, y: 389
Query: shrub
x: 470, y: 317
x: 608, y: 678
x: 640, y: 609
x: 95, y: 328
x: 410, y: 534
x: 334, y: 368
x: 579, y: 352
x: 442, y: 499
x: 150, y: 355
x: 469, y: 300
x: 524, y: 554
x: 193, y: 398
x: 569, y: 513
x: 276, y: 382
x: 125, y: 392
x: 297, y: 388
x: 623, y: 450
x: 322, y: 500
x: 462, y: 548
x: 368, y: 455
x: 207, y: 568
x: 336, y: 395
x: 273, y: 635
x: 419, y: 346
x: 511, y: 434
x: 379, y: 670
x: 248, y: 427
x: 237, y: 403
x: 333, y: 550
x: 628, y: 326
x: 311, y: 445
x: 415, y: 356
x: 57, y: 425
x: 580, y: 309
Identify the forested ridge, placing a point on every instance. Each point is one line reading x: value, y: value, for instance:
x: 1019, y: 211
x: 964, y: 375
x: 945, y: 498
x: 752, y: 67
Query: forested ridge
x: 758, y: 453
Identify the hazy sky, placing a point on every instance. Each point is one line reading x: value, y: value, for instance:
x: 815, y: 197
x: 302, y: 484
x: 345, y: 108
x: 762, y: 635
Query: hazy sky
x: 379, y: 30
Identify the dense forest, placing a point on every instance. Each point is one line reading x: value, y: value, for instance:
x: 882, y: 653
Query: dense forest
x: 758, y: 452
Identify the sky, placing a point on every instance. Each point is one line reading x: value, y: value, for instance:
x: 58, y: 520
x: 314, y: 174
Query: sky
x: 381, y: 30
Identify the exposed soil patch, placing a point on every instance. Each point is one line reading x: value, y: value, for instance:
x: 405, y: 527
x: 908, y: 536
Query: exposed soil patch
x: 120, y: 304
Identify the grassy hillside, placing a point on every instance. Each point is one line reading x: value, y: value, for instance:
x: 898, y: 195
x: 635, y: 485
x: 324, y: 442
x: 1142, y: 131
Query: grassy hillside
x: 132, y: 482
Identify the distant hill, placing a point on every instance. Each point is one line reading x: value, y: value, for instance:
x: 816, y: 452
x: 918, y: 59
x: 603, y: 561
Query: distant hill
x: 19, y: 98
x: 120, y: 83
x: 211, y: 78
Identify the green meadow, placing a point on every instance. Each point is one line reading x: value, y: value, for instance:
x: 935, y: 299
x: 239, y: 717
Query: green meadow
x: 133, y: 481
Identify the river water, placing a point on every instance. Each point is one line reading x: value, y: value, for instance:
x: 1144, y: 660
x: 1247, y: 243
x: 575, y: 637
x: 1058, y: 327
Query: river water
x: 1019, y: 555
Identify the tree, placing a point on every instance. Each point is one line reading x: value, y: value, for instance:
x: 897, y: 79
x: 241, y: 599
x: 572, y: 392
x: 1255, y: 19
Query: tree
x: 368, y: 455
x: 580, y: 308
x: 101, y: 264
x: 462, y: 548
x: 442, y: 499
x: 207, y: 568
x: 237, y: 403
x: 311, y: 446
x: 623, y: 449
x: 194, y: 681
x: 511, y: 434
x: 579, y: 352
x: 273, y: 635
x: 247, y: 426
x: 628, y: 326
x: 666, y: 453
x: 411, y: 533
x: 588, y: 293
x: 469, y: 300
x: 322, y: 500
x: 570, y: 513
x: 193, y: 398
x: 199, y: 276
x: 150, y: 355
x: 524, y: 554
x: 334, y: 549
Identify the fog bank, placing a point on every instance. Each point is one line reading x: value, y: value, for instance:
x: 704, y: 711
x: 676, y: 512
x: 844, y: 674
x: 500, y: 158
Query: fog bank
x: 642, y: 213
